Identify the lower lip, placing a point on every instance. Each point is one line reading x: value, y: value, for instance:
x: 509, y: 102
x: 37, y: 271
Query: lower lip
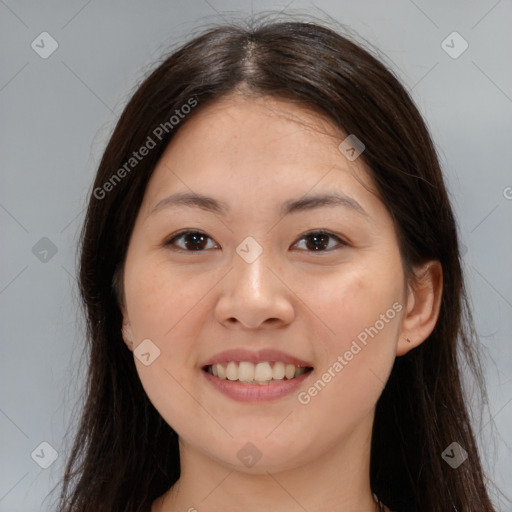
x: 255, y: 392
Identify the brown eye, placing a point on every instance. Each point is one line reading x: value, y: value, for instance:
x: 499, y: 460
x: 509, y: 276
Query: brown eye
x: 197, y: 241
x: 192, y: 241
x: 318, y: 241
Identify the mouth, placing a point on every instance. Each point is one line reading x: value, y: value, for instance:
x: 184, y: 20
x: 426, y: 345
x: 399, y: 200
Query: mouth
x: 264, y: 375
x: 258, y: 374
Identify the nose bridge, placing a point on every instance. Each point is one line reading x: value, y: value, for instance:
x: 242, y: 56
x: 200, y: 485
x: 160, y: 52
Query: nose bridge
x: 252, y: 293
x: 250, y: 266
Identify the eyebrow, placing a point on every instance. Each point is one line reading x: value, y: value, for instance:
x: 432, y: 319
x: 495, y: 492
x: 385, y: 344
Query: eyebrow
x: 308, y: 203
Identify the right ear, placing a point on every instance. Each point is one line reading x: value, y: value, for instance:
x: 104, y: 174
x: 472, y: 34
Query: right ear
x: 127, y: 332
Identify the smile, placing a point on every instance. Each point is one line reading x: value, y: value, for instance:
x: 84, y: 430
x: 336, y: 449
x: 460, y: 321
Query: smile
x: 255, y: 375
x: 262, y: 373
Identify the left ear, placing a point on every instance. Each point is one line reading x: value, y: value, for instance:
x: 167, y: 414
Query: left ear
x: 423, y: 305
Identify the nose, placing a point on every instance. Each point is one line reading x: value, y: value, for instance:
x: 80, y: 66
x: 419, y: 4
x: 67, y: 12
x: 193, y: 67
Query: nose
x: 254, y: 295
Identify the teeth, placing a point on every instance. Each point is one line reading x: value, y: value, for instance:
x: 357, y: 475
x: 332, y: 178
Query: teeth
x: 232, y: 371
x: 289, y: 371
x: 300, y: 371
x: 245, y: 371
x: 278, y: 371
x: 261, y: 373
x: 221, y: 371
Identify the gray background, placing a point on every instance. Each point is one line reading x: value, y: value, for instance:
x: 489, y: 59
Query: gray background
x: 57, y: 113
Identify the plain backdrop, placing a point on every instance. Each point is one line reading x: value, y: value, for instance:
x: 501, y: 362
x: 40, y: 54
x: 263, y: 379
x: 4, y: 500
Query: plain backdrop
x: 58, y: 109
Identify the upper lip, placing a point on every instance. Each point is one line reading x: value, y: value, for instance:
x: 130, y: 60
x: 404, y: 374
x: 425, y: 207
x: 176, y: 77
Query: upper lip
x: 255, y: 356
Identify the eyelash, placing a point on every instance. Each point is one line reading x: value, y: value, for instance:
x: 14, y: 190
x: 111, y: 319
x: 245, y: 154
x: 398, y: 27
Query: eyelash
x: 171, y: 241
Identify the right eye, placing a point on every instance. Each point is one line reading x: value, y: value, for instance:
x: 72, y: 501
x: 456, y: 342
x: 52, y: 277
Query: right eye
x: 193, y: 241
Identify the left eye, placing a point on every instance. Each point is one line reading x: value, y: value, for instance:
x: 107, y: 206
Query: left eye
x: 316, y: 241
x: 320, y: 240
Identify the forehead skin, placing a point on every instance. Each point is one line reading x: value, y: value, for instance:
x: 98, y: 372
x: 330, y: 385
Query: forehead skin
x: 293, y: 152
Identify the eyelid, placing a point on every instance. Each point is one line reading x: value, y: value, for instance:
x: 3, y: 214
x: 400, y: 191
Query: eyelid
x: 169, y: 241
x: 341, y: 241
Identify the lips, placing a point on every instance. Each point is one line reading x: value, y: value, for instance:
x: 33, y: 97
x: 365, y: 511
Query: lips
x: 255, y: 357
x: 254, y: 376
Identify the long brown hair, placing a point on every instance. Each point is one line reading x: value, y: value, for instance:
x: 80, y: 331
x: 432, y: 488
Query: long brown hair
x: 124, y: 454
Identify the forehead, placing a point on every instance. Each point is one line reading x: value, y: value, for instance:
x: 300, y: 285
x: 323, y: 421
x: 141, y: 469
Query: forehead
x: 257, y: 148
x: 268, y: 127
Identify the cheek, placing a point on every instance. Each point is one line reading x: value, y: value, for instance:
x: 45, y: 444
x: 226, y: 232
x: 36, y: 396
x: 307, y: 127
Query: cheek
x: 162, y: 304
x: 160, y: 299
x: 362, y: 310
x: 352, y: 301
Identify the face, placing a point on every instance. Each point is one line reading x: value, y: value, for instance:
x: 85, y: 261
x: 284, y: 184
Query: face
x: 263, y: 280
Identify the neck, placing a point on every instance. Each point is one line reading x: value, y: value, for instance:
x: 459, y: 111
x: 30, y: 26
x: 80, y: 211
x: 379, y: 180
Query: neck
x: 335, y: 481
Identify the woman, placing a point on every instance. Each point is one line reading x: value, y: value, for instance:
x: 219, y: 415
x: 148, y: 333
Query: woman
x: 271, y: 276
